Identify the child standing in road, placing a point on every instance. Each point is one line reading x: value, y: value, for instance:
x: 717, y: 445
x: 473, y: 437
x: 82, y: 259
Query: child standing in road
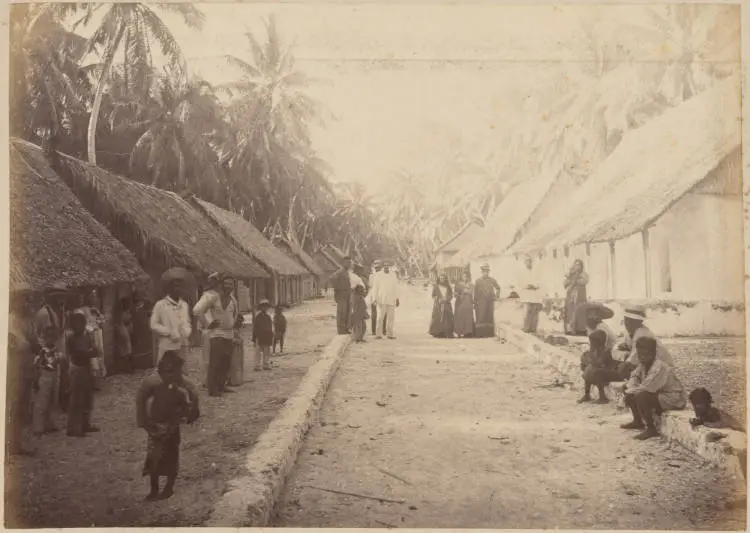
x: 279, y: 329
x: 163, y: 401
x: 263, y: 336
x: 359, y: 314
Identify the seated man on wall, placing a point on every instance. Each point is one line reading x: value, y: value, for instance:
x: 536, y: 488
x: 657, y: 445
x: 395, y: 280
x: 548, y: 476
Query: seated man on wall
x: 653, y: 388
x: 635, y: 329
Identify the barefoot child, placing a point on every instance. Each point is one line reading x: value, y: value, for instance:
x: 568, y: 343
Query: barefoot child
x: 263, y: 336
x: 359, y: 314
x: 164, y: 399
x: 279, y: 329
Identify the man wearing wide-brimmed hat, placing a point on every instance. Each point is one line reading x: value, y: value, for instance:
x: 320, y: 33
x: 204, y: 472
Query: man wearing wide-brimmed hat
x: 387, y: 298
x: 220, y: 312
x: 341, y: 280
x: 170, y: 320
x: 635, y: 328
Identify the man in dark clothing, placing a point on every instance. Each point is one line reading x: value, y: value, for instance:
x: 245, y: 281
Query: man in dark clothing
x: 263, y: 336
x: 342, y: 293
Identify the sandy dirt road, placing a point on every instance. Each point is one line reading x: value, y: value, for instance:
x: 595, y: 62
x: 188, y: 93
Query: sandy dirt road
x: 479, y: 440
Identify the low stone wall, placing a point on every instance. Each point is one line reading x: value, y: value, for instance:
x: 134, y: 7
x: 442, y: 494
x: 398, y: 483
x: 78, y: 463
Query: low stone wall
x: 675, y: 425
x: 665, y: 318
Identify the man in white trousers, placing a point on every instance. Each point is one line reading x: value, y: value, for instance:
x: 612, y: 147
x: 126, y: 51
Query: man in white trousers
x: 386, y: 296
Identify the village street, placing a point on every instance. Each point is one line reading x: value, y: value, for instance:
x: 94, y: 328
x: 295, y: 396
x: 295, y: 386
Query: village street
x: 479, y: 439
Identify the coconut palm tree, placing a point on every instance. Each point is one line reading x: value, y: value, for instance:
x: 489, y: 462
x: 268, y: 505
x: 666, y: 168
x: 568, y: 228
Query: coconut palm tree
x: 134, y: 26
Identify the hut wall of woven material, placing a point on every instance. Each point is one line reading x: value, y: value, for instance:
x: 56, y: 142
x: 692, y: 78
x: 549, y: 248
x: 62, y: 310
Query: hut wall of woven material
x: 53, y: 239
x: 158, y: 226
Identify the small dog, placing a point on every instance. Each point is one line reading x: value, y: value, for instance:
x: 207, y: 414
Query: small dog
x: 279, y: 328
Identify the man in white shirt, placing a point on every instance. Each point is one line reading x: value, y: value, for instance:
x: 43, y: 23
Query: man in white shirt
x: 386, y: 297
x: 170, y: 321
x: 376, y: 269
x: 220, y: 313
x: 531, y: 294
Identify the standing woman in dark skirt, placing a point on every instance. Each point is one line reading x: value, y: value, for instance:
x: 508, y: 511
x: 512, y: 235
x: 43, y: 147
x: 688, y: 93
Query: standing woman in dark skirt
x: 441, y: 325
x: 575, y: 295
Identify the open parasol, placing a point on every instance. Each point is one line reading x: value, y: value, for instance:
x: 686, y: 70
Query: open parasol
x: 593, y: 309
x: 178, y: 273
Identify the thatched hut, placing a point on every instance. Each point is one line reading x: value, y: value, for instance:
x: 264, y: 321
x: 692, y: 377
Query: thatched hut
x: 54, y: 240
x: 465, y: 235
x: 160, y: 228
x: 311, y: 283
x: 284, y: 287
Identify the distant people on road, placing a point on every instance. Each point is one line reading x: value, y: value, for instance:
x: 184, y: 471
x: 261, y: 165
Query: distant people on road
x: 387, y: 298
x: 486, y: 292
x: 263, y: 336
x: 376, y: 269
x: 341, y: 280
x: 279, y: 329
x: 652, y: 389
x: 441, y: 325
x: 359, y: 314
x: 123, y: 320
x: 575, y: 295
x: 163, y: 401
x: 594, y: 365
x: 464, y: 311
x: 530, y: 294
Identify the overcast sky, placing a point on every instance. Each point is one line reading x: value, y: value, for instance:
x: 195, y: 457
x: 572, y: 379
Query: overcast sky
x: 417, y: 110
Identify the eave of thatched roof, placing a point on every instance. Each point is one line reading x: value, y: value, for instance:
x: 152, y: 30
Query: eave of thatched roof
x: 252, y: 240
x: 461, y: 238
x: 651, y: 169
x: 505, y: 224
x: 53, y: 239
x: 298, y: 254
x: 156, y: 225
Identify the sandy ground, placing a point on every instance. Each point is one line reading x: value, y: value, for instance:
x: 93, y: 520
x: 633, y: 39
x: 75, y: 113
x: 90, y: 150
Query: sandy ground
x: 469, y: 434
x: 97, y: 481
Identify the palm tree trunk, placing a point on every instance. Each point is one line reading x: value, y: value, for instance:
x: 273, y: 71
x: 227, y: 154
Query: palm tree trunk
x: 182, y: 181
x: 109, y: 57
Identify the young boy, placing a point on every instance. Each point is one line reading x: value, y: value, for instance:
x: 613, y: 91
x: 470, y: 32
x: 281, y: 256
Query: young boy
x: 46, y: 366
x: 359, y: 314
x: 81, y: 350
x: 279, y: 328
x: 263, y: 336
x: 163, y: 400
x: 595, y: 363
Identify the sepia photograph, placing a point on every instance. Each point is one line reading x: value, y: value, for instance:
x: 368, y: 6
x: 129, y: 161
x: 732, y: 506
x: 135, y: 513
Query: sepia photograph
x: 376, y: 264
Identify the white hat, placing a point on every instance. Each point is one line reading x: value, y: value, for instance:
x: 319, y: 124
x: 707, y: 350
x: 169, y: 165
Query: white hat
x: 635, y: 313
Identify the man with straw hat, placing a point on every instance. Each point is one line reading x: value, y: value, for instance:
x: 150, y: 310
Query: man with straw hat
x: 377, y: 266
x: 486, y: 291
x: 170, y: 320
x: 635, y: 328
x: 220, y: 312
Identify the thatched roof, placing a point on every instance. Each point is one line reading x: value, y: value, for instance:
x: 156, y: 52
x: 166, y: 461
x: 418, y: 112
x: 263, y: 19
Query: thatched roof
x: 298, y: 254
x: 325, y: 261
x: 157, y: 225
x: 461, y: 238
x: 53, y: 239
x: 252, y: 240
x: 505, y: 224
x: 651, y: 169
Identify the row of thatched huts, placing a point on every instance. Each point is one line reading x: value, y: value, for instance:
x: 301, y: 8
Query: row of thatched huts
x: 80, y: 226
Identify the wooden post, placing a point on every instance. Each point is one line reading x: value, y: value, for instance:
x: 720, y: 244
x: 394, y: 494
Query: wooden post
x: 647, y: 261
x: 612, y: 270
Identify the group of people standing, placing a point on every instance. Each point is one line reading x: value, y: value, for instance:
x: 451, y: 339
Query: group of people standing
x: 357, y: 299
x: 468, y: 310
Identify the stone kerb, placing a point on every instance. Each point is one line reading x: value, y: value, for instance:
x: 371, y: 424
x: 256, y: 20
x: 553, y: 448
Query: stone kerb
x: 674, y: 426
x: 251, y: 497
